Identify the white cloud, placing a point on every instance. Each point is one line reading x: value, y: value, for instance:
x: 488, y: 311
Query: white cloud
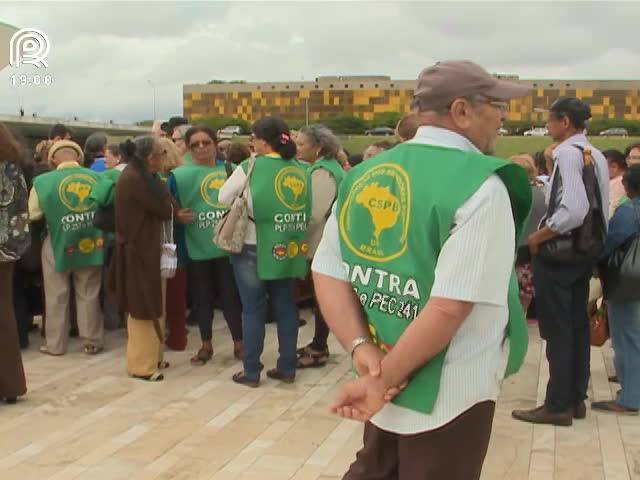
x: 103, y: 55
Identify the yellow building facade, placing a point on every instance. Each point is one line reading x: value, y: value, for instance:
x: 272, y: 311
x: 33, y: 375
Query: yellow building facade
x: 364, y: 97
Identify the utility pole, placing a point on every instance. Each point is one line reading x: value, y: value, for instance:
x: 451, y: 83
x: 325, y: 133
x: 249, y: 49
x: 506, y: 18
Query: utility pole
x: 153, y: 86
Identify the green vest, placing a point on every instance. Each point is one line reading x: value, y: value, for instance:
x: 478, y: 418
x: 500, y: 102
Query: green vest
x: 103, y: 191
x: 332, y: 166
x: 395, y: 212
x: 64, y: 198
x: 281, y: 212
x: 198, y: 187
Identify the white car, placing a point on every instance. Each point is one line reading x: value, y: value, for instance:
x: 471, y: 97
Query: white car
x: 230, y: 131
x: 536, y: 132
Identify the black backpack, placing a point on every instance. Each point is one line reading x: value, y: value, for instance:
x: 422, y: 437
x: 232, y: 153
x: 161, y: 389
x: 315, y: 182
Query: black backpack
x: 586, y: 243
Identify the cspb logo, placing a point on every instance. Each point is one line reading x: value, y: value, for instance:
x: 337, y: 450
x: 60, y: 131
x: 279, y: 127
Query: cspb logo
x: 29, y: 46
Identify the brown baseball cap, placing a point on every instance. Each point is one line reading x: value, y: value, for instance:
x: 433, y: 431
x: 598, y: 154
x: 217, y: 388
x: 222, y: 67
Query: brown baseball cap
x: 440, y: 84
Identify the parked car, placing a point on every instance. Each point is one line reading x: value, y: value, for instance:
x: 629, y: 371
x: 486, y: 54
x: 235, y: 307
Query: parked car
x: 503, y: 131
x: 614, y: 132
x: 384, y: 131
x: 536, y: 132
x: 230, y: 131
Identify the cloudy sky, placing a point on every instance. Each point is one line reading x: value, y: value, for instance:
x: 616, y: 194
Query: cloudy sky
x: 104, y: 56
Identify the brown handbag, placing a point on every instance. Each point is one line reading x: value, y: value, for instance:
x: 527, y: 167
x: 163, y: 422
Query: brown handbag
x: 598, y: 323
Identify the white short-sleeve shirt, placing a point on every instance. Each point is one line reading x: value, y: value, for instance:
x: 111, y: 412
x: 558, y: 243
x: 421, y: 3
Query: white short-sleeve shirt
x: 474, y: 265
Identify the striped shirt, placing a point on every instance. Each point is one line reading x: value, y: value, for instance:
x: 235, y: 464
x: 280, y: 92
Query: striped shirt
x: 474, y: 265
x: 572, y: 204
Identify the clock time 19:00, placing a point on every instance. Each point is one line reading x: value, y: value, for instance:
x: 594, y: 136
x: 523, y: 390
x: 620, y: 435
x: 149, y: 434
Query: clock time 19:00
x: 24, y: 80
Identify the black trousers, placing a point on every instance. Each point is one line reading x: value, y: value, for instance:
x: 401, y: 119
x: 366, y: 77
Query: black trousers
x: 24, y: 317
x: 211, y: 278
x: 562, y: 293
x: 321, y: 332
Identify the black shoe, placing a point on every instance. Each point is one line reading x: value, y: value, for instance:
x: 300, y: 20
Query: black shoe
x: 580, y: 411
x: 11, y: 400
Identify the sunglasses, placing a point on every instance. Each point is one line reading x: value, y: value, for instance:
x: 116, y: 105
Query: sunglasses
x: 201, y: 144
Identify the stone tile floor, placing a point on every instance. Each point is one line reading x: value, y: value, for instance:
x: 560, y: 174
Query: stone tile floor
x: 84, y: 418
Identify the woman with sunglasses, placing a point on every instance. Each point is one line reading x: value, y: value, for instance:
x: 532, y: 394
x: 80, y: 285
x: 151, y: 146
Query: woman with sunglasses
x: 195, y: 187
x: 275, y: 246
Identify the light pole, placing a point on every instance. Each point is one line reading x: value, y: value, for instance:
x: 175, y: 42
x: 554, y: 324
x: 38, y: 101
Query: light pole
x: 306, y: 110
x: 153, y: 86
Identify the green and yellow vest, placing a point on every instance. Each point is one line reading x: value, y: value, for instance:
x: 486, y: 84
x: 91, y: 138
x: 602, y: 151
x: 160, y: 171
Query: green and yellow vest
x: 395, y: 212
x: 280, y: 194
x: 64, y: 198
x: 198, y: 187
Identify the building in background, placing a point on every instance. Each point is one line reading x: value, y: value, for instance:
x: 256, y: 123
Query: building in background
x: 366, y: 96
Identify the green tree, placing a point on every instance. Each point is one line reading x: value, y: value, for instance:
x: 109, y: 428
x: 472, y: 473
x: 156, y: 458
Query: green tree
x: 345, y: 124
x: 385, y: 119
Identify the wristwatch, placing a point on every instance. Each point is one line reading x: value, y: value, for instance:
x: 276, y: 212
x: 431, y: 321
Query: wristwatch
x: 361, y: 340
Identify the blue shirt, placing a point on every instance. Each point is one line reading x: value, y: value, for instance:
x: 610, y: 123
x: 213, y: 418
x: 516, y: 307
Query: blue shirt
x: 624, y: 225
x: 99, y: 165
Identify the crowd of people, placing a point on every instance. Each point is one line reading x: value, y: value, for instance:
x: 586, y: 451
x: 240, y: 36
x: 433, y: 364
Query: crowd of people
x: 425, y: 257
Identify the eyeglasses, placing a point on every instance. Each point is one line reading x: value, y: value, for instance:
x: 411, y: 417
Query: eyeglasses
x: 500, y: 105
x: 201, y: 144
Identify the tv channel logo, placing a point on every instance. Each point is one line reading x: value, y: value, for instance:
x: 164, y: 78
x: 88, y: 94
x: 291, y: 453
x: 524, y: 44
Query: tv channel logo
x: 29, y: 46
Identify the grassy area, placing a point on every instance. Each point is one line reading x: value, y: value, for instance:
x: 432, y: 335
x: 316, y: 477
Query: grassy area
x: 506, y: 146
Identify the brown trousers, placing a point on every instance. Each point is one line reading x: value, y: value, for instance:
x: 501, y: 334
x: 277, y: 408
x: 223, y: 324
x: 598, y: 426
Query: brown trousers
x: 12, y: 381
x: 454, y: 451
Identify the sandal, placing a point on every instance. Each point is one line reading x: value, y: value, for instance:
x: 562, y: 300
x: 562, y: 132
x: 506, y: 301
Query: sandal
x: 92, y: 349
x: 163, y: 364
x: 309, y: 349
x: 202, y: 357
x: 154, y: 377
x: 242, y: 380
x: 44, y: 349
x: 276, y: 374
x: 312, y: 360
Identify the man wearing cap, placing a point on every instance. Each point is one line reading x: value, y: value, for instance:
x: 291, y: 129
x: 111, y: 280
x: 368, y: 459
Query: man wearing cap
x: 415, y: 277
x: 562, y: 289
x: 72, y: 250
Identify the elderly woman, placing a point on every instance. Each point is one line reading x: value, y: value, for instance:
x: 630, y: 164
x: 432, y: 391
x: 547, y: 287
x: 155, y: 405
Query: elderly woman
x: 73, y: 248
x: 176, y: 294
x: 14, y: 241
x: 196, y: 187
x: 142, y: 204
x: 318, y: 146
